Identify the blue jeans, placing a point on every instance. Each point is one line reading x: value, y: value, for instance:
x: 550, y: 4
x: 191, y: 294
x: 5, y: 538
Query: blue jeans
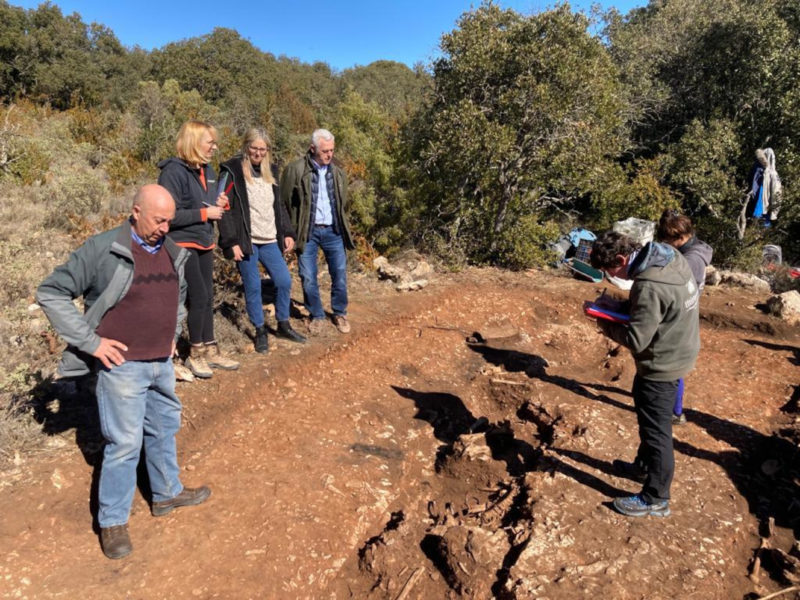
x: 678, y: 409
x: 136, y: 401
x: 271, y: 257
x: 333, y: 248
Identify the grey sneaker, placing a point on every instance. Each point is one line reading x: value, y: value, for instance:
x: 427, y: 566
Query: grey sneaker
x: 316, y: 326
x: 187, y: 497
x: 115, y: 541
x: 679, y: 419
x: 635, y: 506
x: 341, y: 323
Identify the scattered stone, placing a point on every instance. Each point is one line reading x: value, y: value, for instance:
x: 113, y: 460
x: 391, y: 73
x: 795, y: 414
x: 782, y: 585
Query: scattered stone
x: 422, y: 269
x: 412, y: 286
x: 388, y: 271
x: 408, y: 280
x: 786, y: 306
x: 713, y: 276
x: 471, y: 556
x: 34, y: 307
x: 745, y: 280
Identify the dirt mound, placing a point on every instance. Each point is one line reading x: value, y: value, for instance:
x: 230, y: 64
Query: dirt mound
x: 458, y: 444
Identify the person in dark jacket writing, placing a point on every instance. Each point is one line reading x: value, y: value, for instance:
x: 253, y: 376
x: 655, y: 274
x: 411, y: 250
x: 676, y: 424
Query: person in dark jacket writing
x: 132, y: 283
x: 256, y: 230
x: 663, y: 335
x: 193, y: 184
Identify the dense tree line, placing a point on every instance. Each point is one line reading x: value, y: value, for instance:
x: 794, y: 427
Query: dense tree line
x: 524, y: 127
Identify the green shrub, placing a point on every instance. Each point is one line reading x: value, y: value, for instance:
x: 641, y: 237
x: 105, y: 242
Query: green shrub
x: 78, y: 193
x: 524, y: 244
x: 30, y: 164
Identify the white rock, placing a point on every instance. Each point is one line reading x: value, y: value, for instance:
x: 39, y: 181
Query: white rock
x: 786, y: 306
x: 745, y: 280
x: 412, y: 285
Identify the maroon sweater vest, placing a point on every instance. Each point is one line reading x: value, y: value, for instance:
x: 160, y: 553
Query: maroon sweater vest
x: 146, y: 317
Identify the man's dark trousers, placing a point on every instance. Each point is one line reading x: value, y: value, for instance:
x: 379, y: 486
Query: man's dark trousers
x: 654, y: 401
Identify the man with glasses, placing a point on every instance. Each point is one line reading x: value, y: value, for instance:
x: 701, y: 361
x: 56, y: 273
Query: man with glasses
x: 314, y: 191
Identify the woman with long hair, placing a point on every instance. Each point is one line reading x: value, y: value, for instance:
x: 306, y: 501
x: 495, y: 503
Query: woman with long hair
x: 677, y: 230
x: 191, y: 180
x: 256, y: 230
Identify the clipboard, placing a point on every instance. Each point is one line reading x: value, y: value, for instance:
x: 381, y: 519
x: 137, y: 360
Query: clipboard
x: 598, y: 312
x: 223, y: 181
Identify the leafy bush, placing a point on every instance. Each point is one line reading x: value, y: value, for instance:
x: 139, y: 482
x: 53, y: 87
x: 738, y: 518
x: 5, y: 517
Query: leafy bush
x: 524, y: 244
x: 78, y: 193
x: 525, y: 115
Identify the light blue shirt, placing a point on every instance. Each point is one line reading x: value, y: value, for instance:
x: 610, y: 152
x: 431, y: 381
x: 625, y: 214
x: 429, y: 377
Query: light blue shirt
x: 145, y: 245
x: 323, y: 216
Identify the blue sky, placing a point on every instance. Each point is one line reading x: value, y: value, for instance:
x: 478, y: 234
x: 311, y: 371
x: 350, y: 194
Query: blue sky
x: 342, y: 34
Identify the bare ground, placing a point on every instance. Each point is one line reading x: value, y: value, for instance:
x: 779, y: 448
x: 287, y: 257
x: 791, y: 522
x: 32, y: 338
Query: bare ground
x: 413, y: 459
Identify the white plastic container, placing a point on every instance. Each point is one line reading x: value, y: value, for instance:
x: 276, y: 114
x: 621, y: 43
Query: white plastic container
x: 772, y: 254
x: 639, y: 230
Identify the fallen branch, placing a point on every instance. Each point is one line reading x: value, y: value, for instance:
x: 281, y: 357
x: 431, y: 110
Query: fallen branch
x: 794, y: 588
x: 755, y: 571
x: 412, y: 580
x: 507, y: 382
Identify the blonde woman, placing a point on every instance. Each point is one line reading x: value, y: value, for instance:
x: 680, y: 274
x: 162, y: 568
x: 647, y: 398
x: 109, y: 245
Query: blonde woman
x: 193, y: 184
x: 257, y: 230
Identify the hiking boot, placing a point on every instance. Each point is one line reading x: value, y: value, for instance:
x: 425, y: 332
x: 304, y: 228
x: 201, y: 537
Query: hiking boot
x: 679, y: 419
x: 316, y: 326
x: 188, y: 497
x: 197, y: 362
x: 262, y: 345
x: 218, y: 360
x: 115, y: 541
x: 182, y: 373
x: 286, y: 332
x: 635, y: 506
x: 341, y: 323
x: 631, y: 470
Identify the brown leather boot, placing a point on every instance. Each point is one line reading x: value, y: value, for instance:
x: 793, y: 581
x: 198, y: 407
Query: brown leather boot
x: 187, y: 497
x: 218, y: 360
x: 197, y: 362
x: 115, y: 541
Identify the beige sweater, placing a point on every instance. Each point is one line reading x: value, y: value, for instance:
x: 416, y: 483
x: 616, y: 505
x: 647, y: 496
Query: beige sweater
x: 262, y: 211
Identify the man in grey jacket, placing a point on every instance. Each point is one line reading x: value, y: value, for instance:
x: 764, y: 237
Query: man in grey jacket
x: 663, y: 335
x: 131, y: 281
x: 314, y: 191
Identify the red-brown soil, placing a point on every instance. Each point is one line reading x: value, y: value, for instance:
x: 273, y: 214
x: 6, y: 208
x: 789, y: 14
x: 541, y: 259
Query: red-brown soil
x: 401, y: 461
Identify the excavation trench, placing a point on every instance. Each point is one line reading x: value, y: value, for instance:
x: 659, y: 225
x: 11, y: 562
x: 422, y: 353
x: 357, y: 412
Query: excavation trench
x: 457, y: 444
